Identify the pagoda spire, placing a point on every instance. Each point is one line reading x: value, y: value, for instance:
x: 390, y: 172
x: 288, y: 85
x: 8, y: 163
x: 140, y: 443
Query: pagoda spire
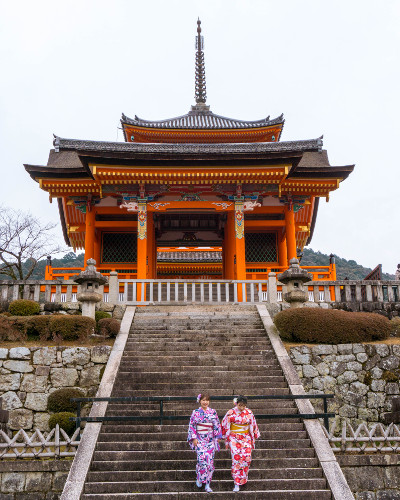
x: 200, y: 79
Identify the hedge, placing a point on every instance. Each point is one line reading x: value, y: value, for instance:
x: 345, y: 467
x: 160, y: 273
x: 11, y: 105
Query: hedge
x: 60, y: 400
x: 109, y: 327
x: 98, y: 315
x: 331, y: 326
x: 395, y: 326
x: 68, y: 327
x: 23, y: 307
x: 63, y: 420
x: 57, y: 327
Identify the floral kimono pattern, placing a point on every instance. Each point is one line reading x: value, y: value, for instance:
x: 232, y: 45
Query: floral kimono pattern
x: 205, y: 427
x: 241, y: 442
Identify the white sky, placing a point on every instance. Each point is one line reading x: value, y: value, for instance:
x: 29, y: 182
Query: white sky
x: 72, y: 67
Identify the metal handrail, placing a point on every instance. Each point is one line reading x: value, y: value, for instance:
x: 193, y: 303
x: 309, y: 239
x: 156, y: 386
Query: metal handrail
x: 161, y: 399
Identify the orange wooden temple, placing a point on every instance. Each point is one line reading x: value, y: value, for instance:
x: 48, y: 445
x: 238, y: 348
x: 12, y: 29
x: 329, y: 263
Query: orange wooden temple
x: 197, y: 196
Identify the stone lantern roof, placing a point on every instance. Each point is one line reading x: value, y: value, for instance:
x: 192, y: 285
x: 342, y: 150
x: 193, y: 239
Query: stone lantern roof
x: 294, y: 273
x: 90, y: 274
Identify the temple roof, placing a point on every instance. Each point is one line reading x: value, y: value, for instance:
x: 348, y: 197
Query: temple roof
x: 190, y: 256
x: 198, y: 119
x: 182, y: 148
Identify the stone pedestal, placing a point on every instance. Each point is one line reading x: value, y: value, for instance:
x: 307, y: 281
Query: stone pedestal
x: 294, y: 279
x: 90, y: 281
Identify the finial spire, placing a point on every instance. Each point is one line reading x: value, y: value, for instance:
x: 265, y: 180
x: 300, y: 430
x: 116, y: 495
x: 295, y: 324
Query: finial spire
x: 200, y: 85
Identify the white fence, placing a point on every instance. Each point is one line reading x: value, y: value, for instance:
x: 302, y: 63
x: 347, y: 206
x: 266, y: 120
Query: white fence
x: 56, y: 444
x: 379, y: 438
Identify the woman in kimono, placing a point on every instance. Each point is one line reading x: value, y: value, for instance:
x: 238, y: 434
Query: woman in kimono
x: 240, y: 430
x: 203, y: 435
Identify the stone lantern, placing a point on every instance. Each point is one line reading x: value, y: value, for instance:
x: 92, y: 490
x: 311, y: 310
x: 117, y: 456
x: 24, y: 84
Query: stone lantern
x: 90, y: 281
x: 294, y: 278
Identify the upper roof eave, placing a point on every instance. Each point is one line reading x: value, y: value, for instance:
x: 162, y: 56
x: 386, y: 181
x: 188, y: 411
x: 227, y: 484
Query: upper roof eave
x: 201, y: 120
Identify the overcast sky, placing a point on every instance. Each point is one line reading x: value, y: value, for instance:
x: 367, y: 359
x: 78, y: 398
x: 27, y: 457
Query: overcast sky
x: 72, y: 67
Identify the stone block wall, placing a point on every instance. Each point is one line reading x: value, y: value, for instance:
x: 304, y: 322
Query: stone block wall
x: 363, y: 377
x: 29, y: 374
x: 372, y: 477
x: 33, y: 479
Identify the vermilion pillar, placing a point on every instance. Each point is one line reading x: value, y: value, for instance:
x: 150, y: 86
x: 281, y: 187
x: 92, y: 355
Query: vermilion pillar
x: 229, y: 246
x: 240, y: 248
x: 290, y: 233
x: 90, y: 219
x: 97, y: 246
x: 151, y: 256
x: 142, y: 245
x: 282, y: 250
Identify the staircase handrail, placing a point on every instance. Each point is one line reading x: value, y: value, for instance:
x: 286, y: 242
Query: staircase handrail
x: 161, y: 399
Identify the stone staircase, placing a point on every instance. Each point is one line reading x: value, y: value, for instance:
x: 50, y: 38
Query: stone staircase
x: 181, y: 351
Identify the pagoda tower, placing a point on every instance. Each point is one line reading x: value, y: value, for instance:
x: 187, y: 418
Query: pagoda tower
x: 199, y: 195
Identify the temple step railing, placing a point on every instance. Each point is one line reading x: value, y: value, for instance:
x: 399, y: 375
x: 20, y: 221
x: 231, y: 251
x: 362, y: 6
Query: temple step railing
x: 146, y: 291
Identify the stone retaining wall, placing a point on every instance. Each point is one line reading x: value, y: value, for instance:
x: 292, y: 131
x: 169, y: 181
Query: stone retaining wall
x: 363, y: 377
x: 372, y: 477
x: 29, y: 374
x: 33, y: 479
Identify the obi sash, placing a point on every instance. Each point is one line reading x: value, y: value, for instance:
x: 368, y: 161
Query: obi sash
x: 239, y: 428
x: 204, y: 428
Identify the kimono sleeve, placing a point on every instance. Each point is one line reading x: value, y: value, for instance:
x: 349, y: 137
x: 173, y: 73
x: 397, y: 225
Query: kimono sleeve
x: 226, y: 425
x: 192, y: 431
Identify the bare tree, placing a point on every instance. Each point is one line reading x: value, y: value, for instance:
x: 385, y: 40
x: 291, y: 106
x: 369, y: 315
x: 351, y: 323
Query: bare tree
x: 24, y: 240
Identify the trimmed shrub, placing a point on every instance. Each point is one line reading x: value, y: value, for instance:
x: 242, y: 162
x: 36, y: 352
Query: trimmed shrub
x: 10, y: 330
x: 4, y: 305
x: 108, y: 327
x: 98, y: 315
x: 5, y: 313
x: 395, y: 326
x: 331, y: 326
x: 37, y: 327
x: 23, y: 307
x: 60, y: 400
x: 52, y: 306
x: 68, y: 327
x: 63, y: 420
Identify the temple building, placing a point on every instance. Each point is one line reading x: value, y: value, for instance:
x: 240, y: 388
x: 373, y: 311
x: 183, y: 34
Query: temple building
x: 196, y: 196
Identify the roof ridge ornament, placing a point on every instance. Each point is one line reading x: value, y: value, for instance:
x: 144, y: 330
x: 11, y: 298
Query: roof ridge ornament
x: 200, y: 73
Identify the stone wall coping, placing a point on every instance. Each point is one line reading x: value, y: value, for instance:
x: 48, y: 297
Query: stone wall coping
x: 368, y: 460
x: 333, y: 473
x: 35, y: 465
x: 73, y: 488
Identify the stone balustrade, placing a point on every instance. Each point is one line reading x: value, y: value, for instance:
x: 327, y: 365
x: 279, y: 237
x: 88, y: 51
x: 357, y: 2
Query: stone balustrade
x: 352, y: 294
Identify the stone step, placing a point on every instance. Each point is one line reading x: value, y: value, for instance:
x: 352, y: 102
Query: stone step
x: 238, y: 387
x: 125, y: 412
x: 182, y: 436
x: 199, y: 360
x: 220, y: 464
x: 133, y: 392
x: 167, y: 367
x: 249, y: 495
x: 121, y: 445
x: 188, y: 475
x: 130, y: 427
x: 178, y: 376
x: 188, y: 454
x: 220, y: 406
x: 222, y: 485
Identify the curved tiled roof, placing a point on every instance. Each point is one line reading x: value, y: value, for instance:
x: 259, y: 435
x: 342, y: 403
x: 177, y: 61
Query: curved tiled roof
x: 132, y: 147
x: 193, y: 256
x: 201, y: 120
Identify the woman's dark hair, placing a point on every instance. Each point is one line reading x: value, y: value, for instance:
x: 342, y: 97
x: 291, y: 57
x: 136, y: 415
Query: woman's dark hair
x: 204, y: 395
x: 241, y: 399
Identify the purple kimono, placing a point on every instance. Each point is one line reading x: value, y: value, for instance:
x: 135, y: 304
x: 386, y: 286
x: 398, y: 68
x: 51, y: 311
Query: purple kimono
x: 205, y: 427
